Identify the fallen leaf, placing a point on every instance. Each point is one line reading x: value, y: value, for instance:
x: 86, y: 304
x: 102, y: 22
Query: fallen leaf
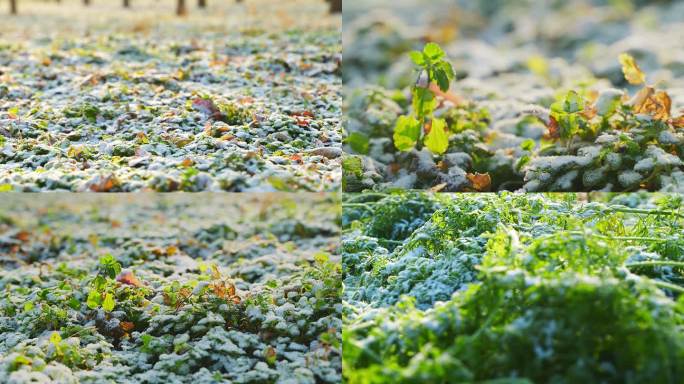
x: 482, y: 182
x: 438, y: 187
x: 22, y: 236
x: 554, y: 130
x: 127, y: 326
x: 207, y: 108
x: 631, y: 70
x: 589, y: 111
x: 104, y: 183
x: 128, y: 278
x: 303, y: 114
x: 656, y: 104
x: 678, y: 122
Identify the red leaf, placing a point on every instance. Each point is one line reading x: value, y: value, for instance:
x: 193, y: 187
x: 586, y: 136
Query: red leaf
x: 206, y: 107
x: 554, y: 130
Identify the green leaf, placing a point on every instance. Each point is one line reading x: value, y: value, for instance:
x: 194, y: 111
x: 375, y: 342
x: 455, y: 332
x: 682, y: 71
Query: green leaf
x: 28, y: 306
x: 417, y: 58
x: 74, y: 303
x: 573, y: 102
x: 109, y: 302
x: 406, y: 133
x: 568, y: 124
x: 147, y: 340
x: 424, y: 102
x: 522, y: 162
x: 90, y: 112
x: 433, y: 51
x: 109, y: 266
x: 437, y: 141
x: 527, y: 145
x: 448, y: 69
x: 94, y: 299
x: 358, y: 142
x: 442, y: 79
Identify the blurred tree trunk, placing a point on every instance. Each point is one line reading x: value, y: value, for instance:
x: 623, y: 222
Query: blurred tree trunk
x: 86, y: 2
x: 13, y: 7
x: 126, y: 3
x: 180, y: 9
x: 335, y: 6
x: 202, y: 3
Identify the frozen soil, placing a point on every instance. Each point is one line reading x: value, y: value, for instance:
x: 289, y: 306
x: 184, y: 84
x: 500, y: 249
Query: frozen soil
x: 238, y: 97
x: 166, y: 289
x: 513, y: 60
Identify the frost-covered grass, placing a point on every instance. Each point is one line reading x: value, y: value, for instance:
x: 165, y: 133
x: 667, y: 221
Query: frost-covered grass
x: 543, y: 98
x: 240, y: 96
x: 198, y: 288
x: 525, y: 288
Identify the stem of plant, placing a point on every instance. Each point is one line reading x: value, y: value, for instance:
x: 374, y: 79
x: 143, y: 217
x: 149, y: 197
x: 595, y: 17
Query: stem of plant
x: 671, y: 287
x: 625, y: 238
x: 646, y: 211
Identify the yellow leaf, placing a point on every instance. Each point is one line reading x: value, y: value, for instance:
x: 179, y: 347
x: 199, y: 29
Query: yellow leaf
x: 631, y: 70
x: 656, y: 104
x: 678, y: 122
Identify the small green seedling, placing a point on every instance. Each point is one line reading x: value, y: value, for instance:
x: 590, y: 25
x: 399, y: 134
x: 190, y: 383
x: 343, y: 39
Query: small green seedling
x: 435, y: 74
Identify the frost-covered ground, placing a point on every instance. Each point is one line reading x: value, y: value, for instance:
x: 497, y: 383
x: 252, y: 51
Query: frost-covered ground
x: 241, y: 96
x: 201, y: 288
x: 513, y: 288
x: 513, y: 60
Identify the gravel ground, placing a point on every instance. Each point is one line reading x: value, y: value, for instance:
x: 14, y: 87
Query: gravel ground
x: 240, y: 97
x: 143, y: 288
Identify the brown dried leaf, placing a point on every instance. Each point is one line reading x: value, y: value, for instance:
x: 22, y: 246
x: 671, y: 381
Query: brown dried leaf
x: 105, y: 183
x: 589, y: 111
x: 207, y: 108
x: 656, y: 104
x: 127, y: 277
x: 482, y: 182
x: 22, y: 236
x: 127, y: 326
x: 554, y: 130
x: 677, y: 122
x: 438, y: 187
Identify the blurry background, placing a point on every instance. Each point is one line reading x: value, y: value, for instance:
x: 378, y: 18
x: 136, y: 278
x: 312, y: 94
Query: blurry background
x: 519, y: 49
x: 65, y: 16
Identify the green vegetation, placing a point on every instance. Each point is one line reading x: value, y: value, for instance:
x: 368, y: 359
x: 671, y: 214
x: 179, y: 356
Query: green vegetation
x: 483, y: 288
x: 607, y: 140
x: 165, y: 290
x: 249, y: 97
x: 530, y: 103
